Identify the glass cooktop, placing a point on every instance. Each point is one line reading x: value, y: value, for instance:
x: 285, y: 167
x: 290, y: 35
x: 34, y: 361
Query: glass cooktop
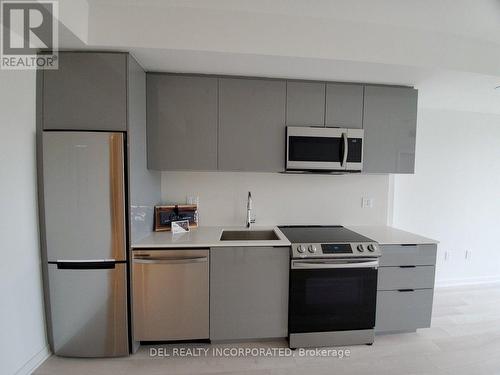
x: 321, y: 234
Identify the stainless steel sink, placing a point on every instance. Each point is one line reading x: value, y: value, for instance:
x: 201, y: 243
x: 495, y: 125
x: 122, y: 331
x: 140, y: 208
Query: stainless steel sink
x: 249, y: 235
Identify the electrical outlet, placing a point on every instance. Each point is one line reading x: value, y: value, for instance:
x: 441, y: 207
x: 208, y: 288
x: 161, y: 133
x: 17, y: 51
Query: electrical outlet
x: 468, y: 254
x: 193, y: 199
x: 366, y: 202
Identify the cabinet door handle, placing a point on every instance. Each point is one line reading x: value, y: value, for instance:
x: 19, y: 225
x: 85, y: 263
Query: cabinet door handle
x: 407, y: 266
x: 406, y: 290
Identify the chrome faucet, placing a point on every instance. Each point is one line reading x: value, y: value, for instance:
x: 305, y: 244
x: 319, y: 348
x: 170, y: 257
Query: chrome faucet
x: 250, y: 219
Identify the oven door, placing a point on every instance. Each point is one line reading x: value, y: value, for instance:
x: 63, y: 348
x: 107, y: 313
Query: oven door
x: 315, y: 148
x: 332, y: 295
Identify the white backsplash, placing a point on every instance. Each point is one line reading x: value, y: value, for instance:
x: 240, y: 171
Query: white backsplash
x: 281, y: 198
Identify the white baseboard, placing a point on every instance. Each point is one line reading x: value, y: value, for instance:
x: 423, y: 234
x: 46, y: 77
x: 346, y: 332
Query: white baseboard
x: 34, y: 362
x: 468, y: 281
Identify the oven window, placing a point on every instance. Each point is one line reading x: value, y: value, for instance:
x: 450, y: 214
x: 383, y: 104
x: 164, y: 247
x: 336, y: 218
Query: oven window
x: 321, y: 149
x: 332, y: 299
x: 355, y: 150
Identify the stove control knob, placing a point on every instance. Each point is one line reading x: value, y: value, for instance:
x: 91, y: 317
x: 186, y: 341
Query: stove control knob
x: 371, y: 248
x: 301, y: 248
x: 312, y: 249
x: 360, y: 248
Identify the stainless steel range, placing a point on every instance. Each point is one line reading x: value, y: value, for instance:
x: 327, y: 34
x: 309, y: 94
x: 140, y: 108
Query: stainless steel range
x: 333, y: 286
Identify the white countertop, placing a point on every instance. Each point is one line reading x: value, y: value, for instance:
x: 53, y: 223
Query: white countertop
x: 205, y: 237
x: 210, y: 237
x: 386, y: 235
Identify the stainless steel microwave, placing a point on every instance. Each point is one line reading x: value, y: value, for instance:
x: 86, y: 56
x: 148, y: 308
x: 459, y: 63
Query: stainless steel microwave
x: 317, y: 149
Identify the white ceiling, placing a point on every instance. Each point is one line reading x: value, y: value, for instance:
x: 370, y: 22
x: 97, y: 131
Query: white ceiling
x: 476, y: 19
x: 449, y: 49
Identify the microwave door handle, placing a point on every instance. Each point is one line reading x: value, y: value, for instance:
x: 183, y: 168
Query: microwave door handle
x: 345, y: 150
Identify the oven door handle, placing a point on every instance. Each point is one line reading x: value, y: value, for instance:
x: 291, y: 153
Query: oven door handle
x: 316, y: 264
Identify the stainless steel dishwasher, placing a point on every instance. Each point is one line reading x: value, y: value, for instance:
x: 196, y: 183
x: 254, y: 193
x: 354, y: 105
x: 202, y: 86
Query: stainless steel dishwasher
x: 171, y: 294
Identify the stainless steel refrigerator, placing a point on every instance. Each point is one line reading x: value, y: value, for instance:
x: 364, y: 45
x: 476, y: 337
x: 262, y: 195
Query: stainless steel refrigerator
x: 84, y: 218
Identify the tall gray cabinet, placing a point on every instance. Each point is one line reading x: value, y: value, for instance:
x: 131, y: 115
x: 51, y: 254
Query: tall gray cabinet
x: 390, y: 115
x: 251, y: 124
x: 144, y: 184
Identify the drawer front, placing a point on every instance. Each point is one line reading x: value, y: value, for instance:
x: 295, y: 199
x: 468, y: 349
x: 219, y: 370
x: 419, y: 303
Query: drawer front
x: 403, y: 310
x: 406, y: 277
x: 408, y: 255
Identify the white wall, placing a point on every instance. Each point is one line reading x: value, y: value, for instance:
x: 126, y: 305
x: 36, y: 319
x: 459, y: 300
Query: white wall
x: 22, y: 329
x: 280, y: 198
x: 454, y: 195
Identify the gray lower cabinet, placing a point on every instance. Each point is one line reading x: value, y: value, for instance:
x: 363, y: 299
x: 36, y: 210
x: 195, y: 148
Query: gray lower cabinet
x: 390, y: 115
x: 248, y: 292
x: 251, y: 124
x: 305, y: 103
x: 405, y: 287
x: 181, y: 122
x: 87, y: 92
x: 344, y: 105
x: 403, y: 310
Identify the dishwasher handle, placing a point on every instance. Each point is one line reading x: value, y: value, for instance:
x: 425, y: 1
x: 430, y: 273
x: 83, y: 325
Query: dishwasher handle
x: 166, y: 260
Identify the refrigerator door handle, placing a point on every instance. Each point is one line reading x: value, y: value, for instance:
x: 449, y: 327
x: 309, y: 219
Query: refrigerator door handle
x: 117, y: 188
x: 105, y: 264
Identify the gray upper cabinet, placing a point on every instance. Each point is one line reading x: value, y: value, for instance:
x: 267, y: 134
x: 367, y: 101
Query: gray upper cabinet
x: 225, y: 123
x: 182, y: 122
x: 344, y: 105
x: 390, y: 120
x: 252, y: 124
x: 305, y: 103
x: 87, y: 92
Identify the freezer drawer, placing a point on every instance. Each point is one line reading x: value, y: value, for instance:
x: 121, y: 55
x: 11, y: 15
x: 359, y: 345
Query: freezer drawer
x: 88, y: 303
x: 170, y: 295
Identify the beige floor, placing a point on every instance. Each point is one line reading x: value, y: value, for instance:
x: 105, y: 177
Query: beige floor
x: 464, y: 339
